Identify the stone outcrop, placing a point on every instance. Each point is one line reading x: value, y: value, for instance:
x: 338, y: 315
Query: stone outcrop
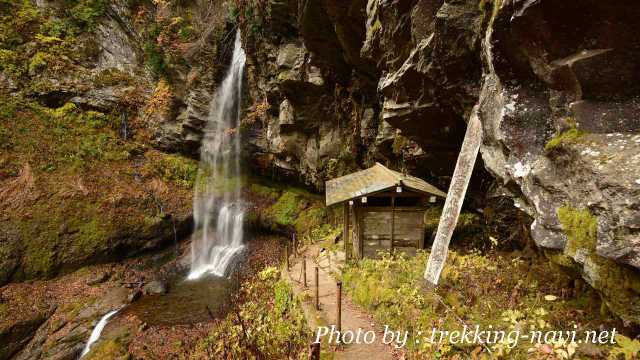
x: 558, y: 106
x: 318, y: 92
x: 64, y: 334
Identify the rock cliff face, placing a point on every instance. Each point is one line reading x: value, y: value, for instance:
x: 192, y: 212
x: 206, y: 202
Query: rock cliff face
x: 560, y: 110
x: 90, y: 90
x: 337, y: 85
x: 316, y: 110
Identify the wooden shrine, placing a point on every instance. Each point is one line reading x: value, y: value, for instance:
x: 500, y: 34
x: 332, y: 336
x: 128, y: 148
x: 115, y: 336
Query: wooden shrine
x: 383, y: 210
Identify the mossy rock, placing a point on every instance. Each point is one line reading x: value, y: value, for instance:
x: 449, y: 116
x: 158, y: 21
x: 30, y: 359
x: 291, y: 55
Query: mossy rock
x: 581, y: 229
x: 286, y: 209
x: 264, y: 191
x: 310, y: 218
x: 618, y: 284
x: 78, y: 197
x: 173, y: 168
x: 112, y: 349
x: 570, y: 136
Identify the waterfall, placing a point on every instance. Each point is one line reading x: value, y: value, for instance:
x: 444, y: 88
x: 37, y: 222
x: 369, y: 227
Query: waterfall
x: 95, y: 334
x: 217, y: 206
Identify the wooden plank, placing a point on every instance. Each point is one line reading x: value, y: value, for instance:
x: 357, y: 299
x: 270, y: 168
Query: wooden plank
x: 455, y: 198
x: 398, y: 209
x: 393, y: 219
x: 408, y: 229
x: 359, y: 232
x: 404, y: 193
x: 345, y: 231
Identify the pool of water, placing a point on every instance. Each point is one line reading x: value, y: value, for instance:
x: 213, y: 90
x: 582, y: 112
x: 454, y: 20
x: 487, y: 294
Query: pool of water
x: 187, y: 302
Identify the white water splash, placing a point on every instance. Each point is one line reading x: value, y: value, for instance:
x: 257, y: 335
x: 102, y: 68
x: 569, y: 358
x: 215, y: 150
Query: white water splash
x: 217, y: 191
x: 95, y: 334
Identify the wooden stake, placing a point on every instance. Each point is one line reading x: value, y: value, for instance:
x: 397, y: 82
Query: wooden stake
x: 295, y: 246
x: 393, y: 220
x: 345, y: 231
x: 286, y: 254
x: 317, y: 289
x: 304, y: 271
x: 314, y: 351
x: 339, y: 302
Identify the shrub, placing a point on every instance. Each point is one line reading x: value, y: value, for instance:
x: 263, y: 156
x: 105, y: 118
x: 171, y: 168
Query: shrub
x: 154, y: 59
x: 9, y: 63
x: 38, y: 62
x: 161, y: 100
x: 268, y: 302
x: 87, y: 12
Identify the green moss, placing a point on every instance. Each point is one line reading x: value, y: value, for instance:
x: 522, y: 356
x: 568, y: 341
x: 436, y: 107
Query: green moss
x: 265, y: 192
x: 570, y: 136
x: 110, y: 349
x: 65, y: 110
x: 310, y: 219
x: 174, y: 168
x: 95, y: 119
x: 38, y: 259
x: 619, y: 284
x: 72, y: 309
x: 10, y: 63
x: 581, y: 229
x: 26, y: 14
x: 285, y: 210
x: 92, y: 236
x: 154, y: 54
x: 38, y: 62
x: 87, y: 12
x: 112, y: 77
x: 8, y: 108
x: 3, y: 310
x: 562, y: 260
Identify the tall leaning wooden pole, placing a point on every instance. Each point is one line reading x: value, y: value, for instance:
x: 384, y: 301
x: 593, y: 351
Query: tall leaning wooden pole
x: 455, y: 198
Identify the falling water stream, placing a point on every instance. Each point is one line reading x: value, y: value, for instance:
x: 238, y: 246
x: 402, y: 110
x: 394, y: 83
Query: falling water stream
x: 218, y: 214
x: 217, y: 207
x: 95, y: 334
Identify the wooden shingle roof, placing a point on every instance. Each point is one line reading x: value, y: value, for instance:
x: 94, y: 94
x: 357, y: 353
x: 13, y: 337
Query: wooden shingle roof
x: 372, y: 180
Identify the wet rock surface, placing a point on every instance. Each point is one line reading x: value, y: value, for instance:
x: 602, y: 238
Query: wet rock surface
x: 53, y: 319
x: 155, y: 287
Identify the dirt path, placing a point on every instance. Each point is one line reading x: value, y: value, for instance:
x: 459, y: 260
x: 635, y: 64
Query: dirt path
x: 352, y: 317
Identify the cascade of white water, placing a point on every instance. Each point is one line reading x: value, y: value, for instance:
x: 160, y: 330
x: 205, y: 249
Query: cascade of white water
x: 217, y: 191
x: 95, y: 334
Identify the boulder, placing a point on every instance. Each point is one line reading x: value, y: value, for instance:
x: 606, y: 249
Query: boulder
x: 155, y: 287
